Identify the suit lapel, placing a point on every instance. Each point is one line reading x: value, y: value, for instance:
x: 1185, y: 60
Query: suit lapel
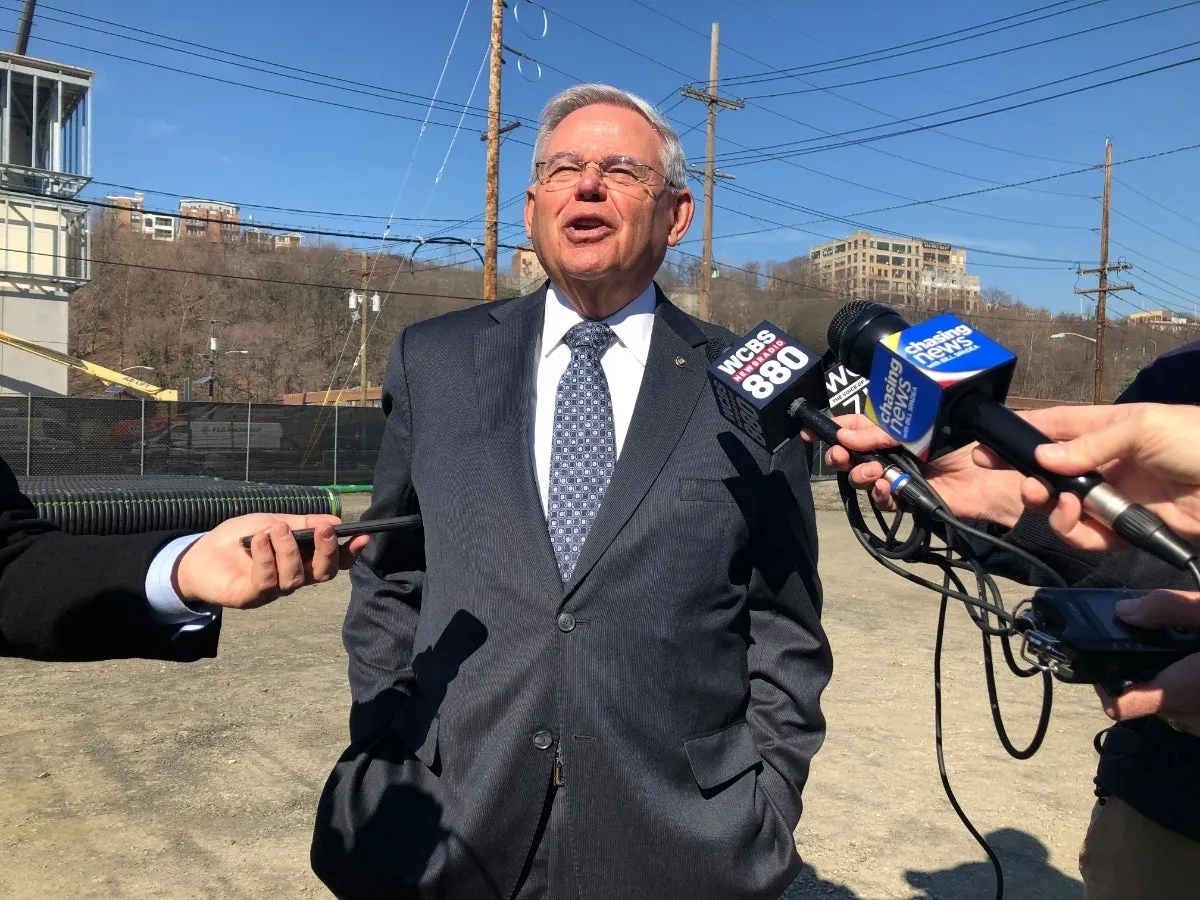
x: 667, y: 396
x: 505, y: 364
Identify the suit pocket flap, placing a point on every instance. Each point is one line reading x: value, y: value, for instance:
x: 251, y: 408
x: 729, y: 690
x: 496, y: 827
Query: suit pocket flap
x: 719, y: 757
x: 713, y: 490
x: 418, y: 730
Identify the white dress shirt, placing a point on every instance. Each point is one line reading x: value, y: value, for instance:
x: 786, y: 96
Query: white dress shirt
x: 166, y: 606
x: 623, y: 362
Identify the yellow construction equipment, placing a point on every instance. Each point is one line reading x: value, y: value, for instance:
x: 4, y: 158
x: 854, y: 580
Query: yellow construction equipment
x: 108, y: 376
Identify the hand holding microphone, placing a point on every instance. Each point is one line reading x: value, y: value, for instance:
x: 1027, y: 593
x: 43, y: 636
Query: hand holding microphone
x: 1150, y: 452
x: 971, y: 491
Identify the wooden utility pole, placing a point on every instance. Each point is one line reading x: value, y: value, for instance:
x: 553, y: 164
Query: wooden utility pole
x: 1103, y: 287
x: 713, y: 101
x: 491, y: 212
x: 362, y: 328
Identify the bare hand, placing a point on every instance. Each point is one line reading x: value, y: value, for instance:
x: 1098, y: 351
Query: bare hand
x: 1147, y: 451
x: 217, y: 569
x: 1175, y: 693
x: 971, y: 492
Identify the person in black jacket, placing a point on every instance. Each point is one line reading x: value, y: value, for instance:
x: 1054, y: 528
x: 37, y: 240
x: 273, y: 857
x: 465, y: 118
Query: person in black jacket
x: 67, y: 597
x: 1143, y: 840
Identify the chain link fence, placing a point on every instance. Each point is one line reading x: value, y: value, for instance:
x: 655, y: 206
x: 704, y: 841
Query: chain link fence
x: 266, y: 443
x: 261, y: 442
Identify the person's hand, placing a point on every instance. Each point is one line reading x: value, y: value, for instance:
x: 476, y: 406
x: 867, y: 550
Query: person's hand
x: 217, y: 569
x: 1174, y: 694
x: 1147, y: 451
x: 971, y: 491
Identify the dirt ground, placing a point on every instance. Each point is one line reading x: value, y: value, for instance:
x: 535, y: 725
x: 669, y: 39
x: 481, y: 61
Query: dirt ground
x: 141, y: 779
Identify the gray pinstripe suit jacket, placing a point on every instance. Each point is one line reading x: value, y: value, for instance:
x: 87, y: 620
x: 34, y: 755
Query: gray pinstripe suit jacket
x: 683, y: 687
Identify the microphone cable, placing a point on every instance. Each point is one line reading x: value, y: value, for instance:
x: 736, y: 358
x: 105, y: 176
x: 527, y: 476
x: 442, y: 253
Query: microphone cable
x: 955, y: 558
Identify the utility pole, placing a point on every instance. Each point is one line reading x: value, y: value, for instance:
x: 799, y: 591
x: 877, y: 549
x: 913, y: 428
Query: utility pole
x: 491, y: 212
x: 212, y: 356
x: 713, y: 101
x: 24, y: 25
x: 1103, y: 287
x: 362, y: 328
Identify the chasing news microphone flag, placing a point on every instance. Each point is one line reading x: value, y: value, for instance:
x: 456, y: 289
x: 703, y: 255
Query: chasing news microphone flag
x: 758, y: 377
x: 917, y: 373
x: 942, y: 384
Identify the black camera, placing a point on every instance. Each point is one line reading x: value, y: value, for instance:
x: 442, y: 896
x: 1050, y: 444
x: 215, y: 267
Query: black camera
x: 1076, y: 635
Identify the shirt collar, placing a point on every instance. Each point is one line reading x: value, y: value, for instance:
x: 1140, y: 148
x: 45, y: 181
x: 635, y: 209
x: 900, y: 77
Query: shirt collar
x: 632, y: 323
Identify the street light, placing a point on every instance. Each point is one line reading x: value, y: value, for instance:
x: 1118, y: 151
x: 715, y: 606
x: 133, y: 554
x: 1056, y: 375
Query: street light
x: 245, y: 354
x: 1063, y: 334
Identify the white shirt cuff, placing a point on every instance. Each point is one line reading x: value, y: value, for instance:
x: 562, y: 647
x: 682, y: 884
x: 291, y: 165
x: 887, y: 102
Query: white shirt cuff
x: 166, y: 606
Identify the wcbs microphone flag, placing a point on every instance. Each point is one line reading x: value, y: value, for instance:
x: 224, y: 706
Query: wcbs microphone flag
x: 923, y: 370
x: 759, y: 377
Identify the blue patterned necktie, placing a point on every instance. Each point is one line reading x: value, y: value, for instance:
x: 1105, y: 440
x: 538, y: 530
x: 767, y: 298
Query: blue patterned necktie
x: 583, y: 447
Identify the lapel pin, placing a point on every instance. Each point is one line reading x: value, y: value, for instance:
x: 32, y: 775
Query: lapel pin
x: 680, y: 361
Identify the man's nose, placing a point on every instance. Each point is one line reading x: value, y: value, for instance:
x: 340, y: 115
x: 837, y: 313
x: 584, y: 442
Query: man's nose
x: 590, y: 185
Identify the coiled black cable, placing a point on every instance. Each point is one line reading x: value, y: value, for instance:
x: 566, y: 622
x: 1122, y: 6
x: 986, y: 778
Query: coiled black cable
x: 985, y: 608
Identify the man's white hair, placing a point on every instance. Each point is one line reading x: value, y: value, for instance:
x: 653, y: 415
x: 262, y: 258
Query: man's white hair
x: 566, y: 102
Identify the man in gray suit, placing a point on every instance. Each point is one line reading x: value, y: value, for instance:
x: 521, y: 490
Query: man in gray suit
x: 600, y: 674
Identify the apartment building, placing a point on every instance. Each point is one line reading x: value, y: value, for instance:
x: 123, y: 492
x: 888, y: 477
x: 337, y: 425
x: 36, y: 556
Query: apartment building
x: 209, y: 219
x: 265, y: 240
x: 129, y: 214
x: 878, y: 266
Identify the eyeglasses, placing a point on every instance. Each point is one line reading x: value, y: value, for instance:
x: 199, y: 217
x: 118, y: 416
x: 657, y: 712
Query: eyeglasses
x: 563, y: 170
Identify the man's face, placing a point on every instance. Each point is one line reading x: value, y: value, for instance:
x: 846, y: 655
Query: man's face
x: 598, y: 229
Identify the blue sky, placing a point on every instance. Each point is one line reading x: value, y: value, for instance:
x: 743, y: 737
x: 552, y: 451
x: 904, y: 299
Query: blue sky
x: 164, y: 131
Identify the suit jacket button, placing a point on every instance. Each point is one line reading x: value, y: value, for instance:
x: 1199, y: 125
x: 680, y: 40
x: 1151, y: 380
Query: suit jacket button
x: 542, y: 740
x: 566, y: 622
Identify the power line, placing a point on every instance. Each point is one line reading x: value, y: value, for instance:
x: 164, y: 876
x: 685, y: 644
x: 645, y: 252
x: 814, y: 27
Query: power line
x: 979, y: 191
x: 977, y: 57
x: 1173, y: 212
x: 1156, y: 232
x: 282, y: 209
x: 354, y: 86
x: 1157, y: 262
x: 263, y: 226
x: 648, y: 57
x: 828, y: 237
x: 910, y: 47
x: 850, y: 100
x: 1157, y: 284
x: 750, y: 158
x: 254, y: 278
x: 252, y: 87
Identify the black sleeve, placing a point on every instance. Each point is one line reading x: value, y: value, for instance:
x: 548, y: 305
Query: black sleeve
x: 79, y: 597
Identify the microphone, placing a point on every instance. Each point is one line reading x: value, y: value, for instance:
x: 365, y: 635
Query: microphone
x: 942, y: 384
x: 769, y: 385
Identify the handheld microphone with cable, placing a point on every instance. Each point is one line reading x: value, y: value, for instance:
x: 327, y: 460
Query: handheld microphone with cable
x: 769, y: 385
x: 942, y: 384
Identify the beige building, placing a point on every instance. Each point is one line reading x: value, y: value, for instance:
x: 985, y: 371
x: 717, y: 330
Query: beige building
x: 877, y: 266
x: 45, y: 161
x: 527, y: 271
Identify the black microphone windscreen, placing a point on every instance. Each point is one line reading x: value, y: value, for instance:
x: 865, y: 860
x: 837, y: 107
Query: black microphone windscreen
x: 714, y: 347
x: 847, y: 316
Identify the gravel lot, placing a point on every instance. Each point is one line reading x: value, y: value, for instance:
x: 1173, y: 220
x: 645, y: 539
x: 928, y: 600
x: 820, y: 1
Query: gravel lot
x: 141, y: 779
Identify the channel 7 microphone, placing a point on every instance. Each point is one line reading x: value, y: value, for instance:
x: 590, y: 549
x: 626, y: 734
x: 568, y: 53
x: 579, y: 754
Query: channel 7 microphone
x: 769, y: 385
x: 941, y: 384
